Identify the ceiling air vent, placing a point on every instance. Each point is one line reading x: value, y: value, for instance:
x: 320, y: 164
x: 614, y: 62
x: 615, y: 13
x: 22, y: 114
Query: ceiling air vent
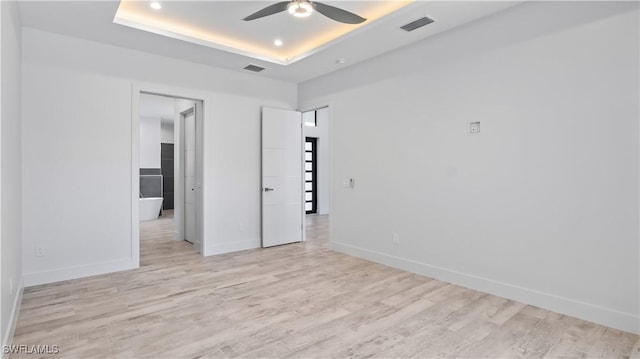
x: 254, y: 68
x: 416, y: 24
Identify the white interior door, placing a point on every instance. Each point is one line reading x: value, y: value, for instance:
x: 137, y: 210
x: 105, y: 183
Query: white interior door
x: 282, y: 209
x: 190, y: 176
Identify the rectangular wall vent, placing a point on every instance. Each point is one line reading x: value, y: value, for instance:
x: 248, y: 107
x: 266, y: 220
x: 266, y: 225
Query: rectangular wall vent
x: 254, y: 68
x: 416, y: 24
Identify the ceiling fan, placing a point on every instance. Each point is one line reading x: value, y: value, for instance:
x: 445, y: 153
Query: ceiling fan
x: 304, y: 8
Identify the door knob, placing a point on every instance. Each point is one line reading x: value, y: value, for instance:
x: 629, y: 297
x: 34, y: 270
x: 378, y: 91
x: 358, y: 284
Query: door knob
x: 267, y: 189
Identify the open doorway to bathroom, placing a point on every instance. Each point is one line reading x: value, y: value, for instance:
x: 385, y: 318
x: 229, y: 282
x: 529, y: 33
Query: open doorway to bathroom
x: 170, y: 163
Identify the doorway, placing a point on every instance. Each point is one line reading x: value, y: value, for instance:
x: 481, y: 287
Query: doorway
x: 170, y: 170
x: 316, y: 132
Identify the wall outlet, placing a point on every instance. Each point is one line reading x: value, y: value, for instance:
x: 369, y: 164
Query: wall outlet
x: 39, y: 252
x: 241, y: 227
x: 395, y: 239
x: 348, y: 183
x: 474, y: 128
x: 10, y: 286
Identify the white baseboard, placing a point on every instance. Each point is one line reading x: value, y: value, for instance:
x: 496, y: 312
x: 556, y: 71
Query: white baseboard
x: 13, y: 320
x: 221, y: 248
x: 575, y: 308
x: 57, y: 275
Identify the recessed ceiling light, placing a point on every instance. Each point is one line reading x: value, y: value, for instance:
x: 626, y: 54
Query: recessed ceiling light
x: 340, y: 61
x: 156, y: 5
x: 277, y: 42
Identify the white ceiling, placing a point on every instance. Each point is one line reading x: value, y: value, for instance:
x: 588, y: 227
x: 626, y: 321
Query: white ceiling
x: 93, y: 20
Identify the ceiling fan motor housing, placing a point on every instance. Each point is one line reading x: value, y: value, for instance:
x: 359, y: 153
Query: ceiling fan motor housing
x: 300, y: 8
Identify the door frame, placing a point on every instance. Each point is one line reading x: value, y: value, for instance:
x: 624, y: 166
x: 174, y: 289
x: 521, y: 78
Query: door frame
x: 179, y: 214
x: 207, y: 117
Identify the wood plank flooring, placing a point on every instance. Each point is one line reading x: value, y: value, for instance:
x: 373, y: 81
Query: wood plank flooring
x: 295, y: 301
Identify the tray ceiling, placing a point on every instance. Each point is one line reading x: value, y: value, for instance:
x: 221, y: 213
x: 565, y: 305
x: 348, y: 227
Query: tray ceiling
x: 219, y: 24
x: 94, y: 21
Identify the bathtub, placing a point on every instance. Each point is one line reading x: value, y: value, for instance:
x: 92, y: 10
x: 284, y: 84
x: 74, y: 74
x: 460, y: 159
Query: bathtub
x: 150, y: 208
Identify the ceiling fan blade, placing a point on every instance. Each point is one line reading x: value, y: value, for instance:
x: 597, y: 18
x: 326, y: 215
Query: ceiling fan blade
x: 269, y: 10
x: 337, y: 14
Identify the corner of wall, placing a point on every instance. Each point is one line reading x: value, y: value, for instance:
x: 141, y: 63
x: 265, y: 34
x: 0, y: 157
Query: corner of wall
x: 7, y: 338
x: 2, y: 330
x: 11, y: 182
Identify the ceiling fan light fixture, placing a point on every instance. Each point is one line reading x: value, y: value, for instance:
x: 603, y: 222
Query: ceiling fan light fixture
x: 300, y: 8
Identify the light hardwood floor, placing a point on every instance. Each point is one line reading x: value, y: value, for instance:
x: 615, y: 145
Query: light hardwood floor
x: 299, y: 300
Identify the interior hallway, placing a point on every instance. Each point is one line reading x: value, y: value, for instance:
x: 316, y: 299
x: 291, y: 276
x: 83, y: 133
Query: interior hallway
x: 297, y: 300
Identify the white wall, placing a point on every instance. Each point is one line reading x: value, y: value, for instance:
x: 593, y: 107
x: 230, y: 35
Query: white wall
x: 542, y: 206
x: 166, y: 132
x: 77, y: 167
x: 11, y: 169
x: 321, y: 132
x: 150, y: 138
